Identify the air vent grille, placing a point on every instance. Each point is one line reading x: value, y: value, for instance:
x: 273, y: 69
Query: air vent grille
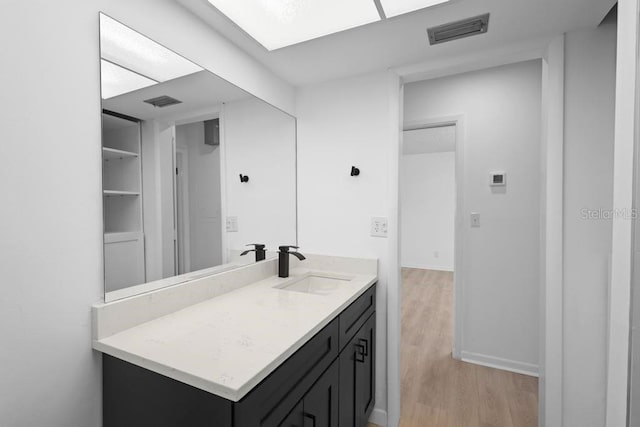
x: 459, y: 29
x: 162, y: 101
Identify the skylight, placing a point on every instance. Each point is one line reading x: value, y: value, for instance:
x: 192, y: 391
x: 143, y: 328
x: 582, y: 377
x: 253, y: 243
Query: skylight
x: 280, y: 23
x: 130, y: 59
x: 399, y: 7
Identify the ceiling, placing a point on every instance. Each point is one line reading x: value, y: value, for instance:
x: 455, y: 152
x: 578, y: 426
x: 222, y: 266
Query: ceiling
x: 402, y: 40
x: 198, y: 92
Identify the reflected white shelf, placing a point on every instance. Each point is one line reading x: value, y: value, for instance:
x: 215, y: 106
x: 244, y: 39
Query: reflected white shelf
x: 110, y: 193
x: 112, y: 154
x: 121, y: 236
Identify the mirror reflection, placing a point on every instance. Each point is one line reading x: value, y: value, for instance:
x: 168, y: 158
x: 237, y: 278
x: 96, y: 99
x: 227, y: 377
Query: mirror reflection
x: 194, y: 168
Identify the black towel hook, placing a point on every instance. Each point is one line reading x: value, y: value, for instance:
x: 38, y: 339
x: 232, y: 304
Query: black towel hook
x: 244, y: 178
x: 355, y: 171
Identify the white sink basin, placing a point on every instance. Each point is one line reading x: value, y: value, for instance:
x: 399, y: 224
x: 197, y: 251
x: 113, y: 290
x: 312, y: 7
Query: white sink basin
x: 313, y: 284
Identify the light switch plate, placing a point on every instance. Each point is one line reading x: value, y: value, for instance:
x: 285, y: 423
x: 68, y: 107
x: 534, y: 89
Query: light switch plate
x: 379, y: 227
x: 232, y: 224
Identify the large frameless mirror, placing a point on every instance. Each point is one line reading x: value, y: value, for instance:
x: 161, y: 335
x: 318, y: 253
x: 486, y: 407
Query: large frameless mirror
x: 194, y: 168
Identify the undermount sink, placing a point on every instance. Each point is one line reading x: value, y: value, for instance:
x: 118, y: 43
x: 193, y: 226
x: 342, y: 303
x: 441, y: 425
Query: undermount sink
x: 319, y: 285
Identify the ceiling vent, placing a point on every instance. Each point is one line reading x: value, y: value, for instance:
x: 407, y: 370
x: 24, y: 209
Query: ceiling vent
x: 162, y: 101
x: 459, y: 29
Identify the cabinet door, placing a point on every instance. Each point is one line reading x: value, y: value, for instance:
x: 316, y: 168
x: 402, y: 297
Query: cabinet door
x: 365, y: 375
x: 357, y: 377
x: 295, y: 418
x: 272, y: 400
x: 123, y: 260
x: 321, y: 401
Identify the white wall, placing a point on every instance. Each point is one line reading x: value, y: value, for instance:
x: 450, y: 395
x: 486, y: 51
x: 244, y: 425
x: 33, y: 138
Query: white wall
x: 590, y: 57
x: 260, y: 142
x: 500, y: 268
x: 428, y: 192
x: 51, y: 216
x: 157, y: 200
x: 346, y: 121
x: 205, y: 220
x: 341, y: 124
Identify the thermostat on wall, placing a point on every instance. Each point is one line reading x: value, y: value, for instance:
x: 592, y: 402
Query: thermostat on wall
x: 498, y: 179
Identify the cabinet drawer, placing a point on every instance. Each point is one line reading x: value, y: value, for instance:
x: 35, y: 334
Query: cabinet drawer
x: 354, y: 316
x: 271, y: 401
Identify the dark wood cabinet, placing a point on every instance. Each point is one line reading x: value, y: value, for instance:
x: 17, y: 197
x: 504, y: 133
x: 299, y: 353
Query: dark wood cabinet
x: 321, y: 404
x: 357, y: 376
x: 295, y: 418
x: 329, y: 382
x: 136, y: 397
x: 365, y: 378
x: 271, y: 400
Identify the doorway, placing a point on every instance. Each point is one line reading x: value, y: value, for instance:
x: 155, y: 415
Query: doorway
x: 198, y: 200
x: 470, y: 336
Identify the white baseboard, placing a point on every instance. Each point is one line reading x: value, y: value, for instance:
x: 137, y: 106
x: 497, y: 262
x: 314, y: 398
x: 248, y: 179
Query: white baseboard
x: 427, y: 267
x: 379, y: 417
x: 499, y: 363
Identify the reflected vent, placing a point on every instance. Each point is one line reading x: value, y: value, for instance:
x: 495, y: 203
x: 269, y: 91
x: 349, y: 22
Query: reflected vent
x: 459, y: 29
x: 162, y: 101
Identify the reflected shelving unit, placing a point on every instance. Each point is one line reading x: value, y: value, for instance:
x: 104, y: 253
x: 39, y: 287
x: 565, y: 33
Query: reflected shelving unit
x: 122, y: 202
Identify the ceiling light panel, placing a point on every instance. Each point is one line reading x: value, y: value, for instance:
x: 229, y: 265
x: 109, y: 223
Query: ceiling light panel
x: 121, y: 45
x: 116, y: 80
x: 399, y: 7
x: 280, y: 23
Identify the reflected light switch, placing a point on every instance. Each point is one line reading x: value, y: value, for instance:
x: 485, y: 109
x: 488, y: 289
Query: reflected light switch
x: 232, y: 224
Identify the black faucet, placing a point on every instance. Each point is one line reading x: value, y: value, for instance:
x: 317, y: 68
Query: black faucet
x: 259, y: 249
x: 283, y: 259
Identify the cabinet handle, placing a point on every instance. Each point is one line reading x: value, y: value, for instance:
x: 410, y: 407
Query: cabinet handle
x: 311, y: 417
x: 360, y: 353
x: 366, y: 345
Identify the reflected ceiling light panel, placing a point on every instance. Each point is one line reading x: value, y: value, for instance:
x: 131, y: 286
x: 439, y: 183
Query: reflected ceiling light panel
x: 279, y: 23
x: 399, y: 7
x: 121, y: 45
x: 117, y: 80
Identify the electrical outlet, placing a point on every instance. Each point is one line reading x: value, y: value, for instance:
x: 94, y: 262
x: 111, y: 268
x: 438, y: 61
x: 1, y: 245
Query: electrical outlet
x: 379, y: 227
x: 232, y: 224
x: 475, y: 219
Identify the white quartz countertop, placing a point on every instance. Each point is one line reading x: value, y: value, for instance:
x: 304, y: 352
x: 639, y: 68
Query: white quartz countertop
x: 228, y: 344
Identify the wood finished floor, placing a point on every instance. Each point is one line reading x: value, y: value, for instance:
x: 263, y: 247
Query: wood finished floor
x: 439, y: 391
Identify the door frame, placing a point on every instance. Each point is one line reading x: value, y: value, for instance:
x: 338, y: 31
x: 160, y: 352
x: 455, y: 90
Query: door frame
x: 623, y: 242
x: 551, y: 52
x: 460, y: 235
x: 216, y: 112
x: 182, y: 213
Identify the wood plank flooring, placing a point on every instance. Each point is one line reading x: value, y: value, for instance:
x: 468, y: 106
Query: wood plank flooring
x: 439, y: 391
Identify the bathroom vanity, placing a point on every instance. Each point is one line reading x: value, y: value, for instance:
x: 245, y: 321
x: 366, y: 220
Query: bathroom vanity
x: 245, y: 348
x: 194, y: 331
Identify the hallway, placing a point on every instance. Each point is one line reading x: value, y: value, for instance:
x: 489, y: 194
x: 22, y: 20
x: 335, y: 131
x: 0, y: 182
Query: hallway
x: 440, y: 391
